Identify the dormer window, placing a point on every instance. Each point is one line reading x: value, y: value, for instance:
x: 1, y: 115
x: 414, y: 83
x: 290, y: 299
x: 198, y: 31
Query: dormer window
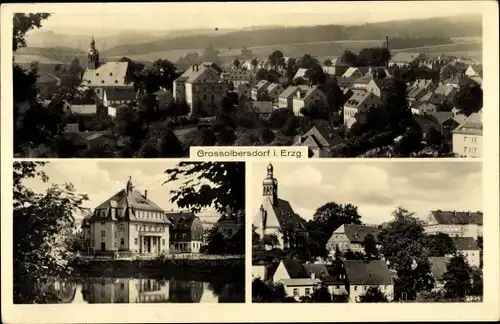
x: 110, y: 73
x: 116, y: 81
x: 97, y: 74
x: 102, y: 81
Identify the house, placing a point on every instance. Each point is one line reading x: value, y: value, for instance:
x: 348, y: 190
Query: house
x: 360, y: 118
x: 453, y: 81
x: 361, y: 101
x: 108, y: 80
x: 275, y: 214
x: 447, y: 90
x: 263, y: 108
x: 163, y: 98
x: 273, y: 91
x: 380, y: 87
x: 352, y: 72
x: 337, y: 68
x: 244, y: 90
x: 307, y: 96
x: 362, y: 83
x: 237, y: 77
x: 285, y: 99
x: 455, y: 223
x: 200, y: 85
x: 301, y: 73
x: 83, y: 109
x: 346, y: 82
x: 350, y: 237
x: 474, y: 70
x: 298, y: 279
x: 363, y: 275
x: 426, y: 108
x: 260, y: 89
x: 230, y: 222
x: 468, y: 137
x: 467, y: 246
x: 404, y: 59
x: 186, y: 232
x: 129, y: 221
x: 259, y: 270
x: 319, y: 140
x: 420, y: 88
x: 447, y: 122
x: 438, y: 269
x: 426, y: 123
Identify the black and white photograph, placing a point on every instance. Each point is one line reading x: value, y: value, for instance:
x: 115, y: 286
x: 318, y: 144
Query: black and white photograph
x: 367, y: 232
x: 343, y: 79
x: 88, y: 232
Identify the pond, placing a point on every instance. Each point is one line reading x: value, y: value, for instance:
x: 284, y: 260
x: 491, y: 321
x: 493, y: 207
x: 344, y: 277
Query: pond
x: 144, y: 290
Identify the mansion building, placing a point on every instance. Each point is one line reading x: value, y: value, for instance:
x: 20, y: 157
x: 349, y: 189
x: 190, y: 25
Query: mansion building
x: 275, y: 214
x: 130, y: 222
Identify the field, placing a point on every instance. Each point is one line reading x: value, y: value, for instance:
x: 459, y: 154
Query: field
x: 470, y: 47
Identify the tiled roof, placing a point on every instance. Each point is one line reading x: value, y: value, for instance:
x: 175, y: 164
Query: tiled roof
x: 359, y: 97
x: 262, y: 84
x: 236, y: 75
x: 361, y: 272
x: 288, y: 92
x: 301, y: 282
x: 285, y: 215
x: 294, y: 268
x: 357, y: 233
x: 426, y: 123
x: 136, y: 200
x: 478, y: 68
x: 438, y: 266
x: 404, y: 57
x: 460, y: 119
x: 365, y: 79
x: 445, y: 89
x: 263, y: 107
x: 465, y: 243
x: 458, y: 217
x: 192, y: 74
x: 350, y: 71
x: 301, y: 73
x: 109, y: 74
x: 321, y: 134
x: 473, y: 125
x: 307, y: 89
x: 383, y: 83
x: 437, y: 99
x: 183, y: 221
x: 346, y: 82
x: 442, y: 116
x: 318, y: 269
x: 272, y: 86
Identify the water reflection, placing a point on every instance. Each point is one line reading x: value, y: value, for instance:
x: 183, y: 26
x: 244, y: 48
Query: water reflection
x: 144, y: 290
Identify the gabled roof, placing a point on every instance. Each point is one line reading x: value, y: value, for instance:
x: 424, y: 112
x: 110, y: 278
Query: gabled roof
x: 478, y: 68
x: 288, y: 92
x: 301, y: 73
x: 365, y: 79
x: 457, y: 217
x: 308, y: 91
x: 373, y: 273
x: 286, y: 215
x: 346, y: 82
x: 321, y: 135
x: 404, y: 57
x: 272, y: 86
x: 383, y: 83
x: 320, y: 270
x: 359, y: 98
x: 465, y: 243
x: 473, y: 125
x: 442, y: 116
x: 426, y: 123
x: 438, y: 266
x: 192, y: 74
x: 357, y: 233
x: 350, y: 71
x: 136, y: 200
x: 180, y: 219
x: 294, y: 268
x: 109, y: 74
x: 263, y: 107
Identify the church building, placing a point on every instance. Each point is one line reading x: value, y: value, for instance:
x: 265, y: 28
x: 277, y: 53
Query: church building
x: 130, y: 222
x: 109, y: 80
x: 275, y: 214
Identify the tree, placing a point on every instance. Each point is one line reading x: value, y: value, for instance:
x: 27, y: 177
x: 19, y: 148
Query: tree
x: 398, y: 112
x: 328, y: 218
x: 403, y: 244
x: 225, y: 187
x: 321, y: 295
x: 210, y: 54
x: 469, y: 98
x: 327, y: 62
x: 370, y: 246
x: 457, y: 277
x: 307, y: 61
x: 373, y: 295
x: 40, y: 252
x: 354, y: 255
x: 275, y: 59
x: 175, y: 109
x: 434, y: 137
x: 161, y: 142
x: 477, y: 282
x: 23, y: 23
x: 271, y: 239
x: 279, y: 117
x: 315, y: 74
x: 261, y: 74
x: 236, y: 63
x: 216, y: 243
x: 375, y: 56
x: 440, y: 245
x: 268, y: 293
x: 161, y: 74
x: 348, y: 58
x: 256, y: 239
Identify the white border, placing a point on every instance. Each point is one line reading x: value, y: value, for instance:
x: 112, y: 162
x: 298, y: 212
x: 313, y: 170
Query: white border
x: 155, y: 313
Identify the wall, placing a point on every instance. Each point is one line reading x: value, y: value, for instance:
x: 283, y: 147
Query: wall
x: 259, y: 271
x: 301, y: 291
x: 355, y: 291
x: 472, y: 257
x: 280, y: 273
x: 467, y: 145
x: 349, y: 112
x: 109, y: 227
x: 134, y: 234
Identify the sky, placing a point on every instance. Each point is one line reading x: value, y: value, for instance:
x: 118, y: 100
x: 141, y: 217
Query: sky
x: 101, y: 180
x: 377, y: 188
x: 193, y: 15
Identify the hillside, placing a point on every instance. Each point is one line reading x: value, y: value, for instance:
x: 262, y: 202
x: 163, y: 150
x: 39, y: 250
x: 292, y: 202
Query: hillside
x: 460, y: 26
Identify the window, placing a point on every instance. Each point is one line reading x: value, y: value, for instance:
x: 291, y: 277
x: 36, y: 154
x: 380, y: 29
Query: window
x: 103, y: 233
x: 337, y: 287
x: 136, y: 227
x: 308, y: 291
x: 135, y: 241
x: 122, y: 227
x: 163, y: 242
x: 116, y: 234
x: 295, y: 291
x: 103, y: 223
x: 122, y: 241
x: 355, y: 288
x: 204, y: 97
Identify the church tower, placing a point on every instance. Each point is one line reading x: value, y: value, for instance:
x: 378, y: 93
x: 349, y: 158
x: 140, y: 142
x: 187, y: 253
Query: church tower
x: 93, y: 56
x: 270, y: 186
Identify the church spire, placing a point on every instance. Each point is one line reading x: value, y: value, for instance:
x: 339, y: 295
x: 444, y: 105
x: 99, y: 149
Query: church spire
x: 93, y: 56
x: 130, y: 186
x: 270, y: 186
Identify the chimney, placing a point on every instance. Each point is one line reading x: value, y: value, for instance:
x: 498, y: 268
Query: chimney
x: 313, y: 275
x: 146, y: 194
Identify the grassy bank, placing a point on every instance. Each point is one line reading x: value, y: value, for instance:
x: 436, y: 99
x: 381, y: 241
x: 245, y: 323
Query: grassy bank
x: 187, y: 269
